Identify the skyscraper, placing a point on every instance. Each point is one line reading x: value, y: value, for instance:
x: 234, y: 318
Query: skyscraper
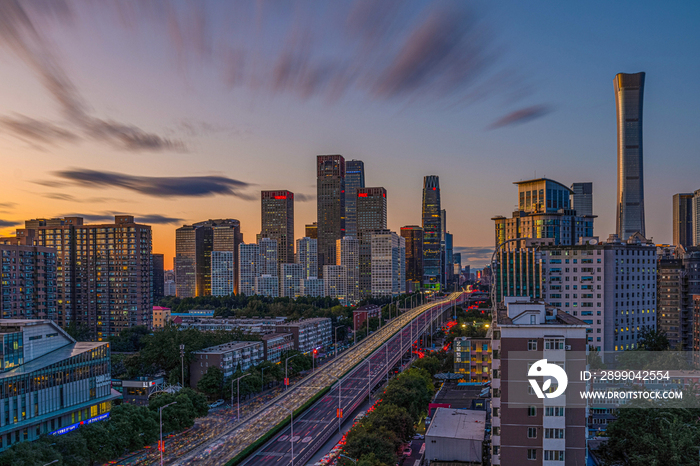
x: 248, y: 257
x: 158, y: 279
x: 348, y: 250
x: 330, y: 205
x: 31, y: 293
x: 388, y: 264
x: 307, y: 256
x: 291, y: 280
x: 582, y: 198
x: 278, y: 222
x: 629, y: 100
x: 354, y: 178
x: 371, y: 217
x: 222, y: 273
x: 413, y: 235
x: 696, y: 218
x: 683, y: 219
x: 432, y: 232
x: 267, y: 262
x: 311, y: 230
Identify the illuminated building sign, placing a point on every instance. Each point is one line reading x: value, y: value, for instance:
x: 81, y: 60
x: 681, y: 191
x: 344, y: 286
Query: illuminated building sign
x: 280, y: 197
x: 361, y: 194
x: 72, y: 427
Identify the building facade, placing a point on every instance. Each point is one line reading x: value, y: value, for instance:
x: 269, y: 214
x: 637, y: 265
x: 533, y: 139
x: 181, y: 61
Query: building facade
x: 330, y: 205
x: 49, y: 383
x: 161, y: 317
x: 371, y: 217
x: 582, y: 198
x: 249, y: 255
x: 432, y: 232
x: 28, y: 286
x: 629, y: 102
x: 277, y: 216
x: 309, y: 334
x: 473, y: 358
x: 335, y: 282
x: 683, y: 219
x: 311, y: 230
x: 158, y: 277
x: 348, y: 250
x: 267, y: 285
x: 388, y: 262
x: 229, y: 357
x: 291, y: 280
x: 267, y: 262
x: 413, y: 236
x: 223, y: 273
x: 307, y: 256
x: 312, y: 287
x: 103, y: 278
x: 276, y: 345
x: 678, y: 280
x: 354, y: 178
x: 696, y: 218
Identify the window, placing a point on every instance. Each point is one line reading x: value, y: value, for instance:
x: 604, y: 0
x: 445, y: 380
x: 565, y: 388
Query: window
x: 532, y: 345
x: 554, y: 344
x: 531, y: 411
x: 531, y: 454
x: 532, y: 432
x: 557, y: 411
x: 554, y: 433
x: 554, y: 455
x: 533, y: 320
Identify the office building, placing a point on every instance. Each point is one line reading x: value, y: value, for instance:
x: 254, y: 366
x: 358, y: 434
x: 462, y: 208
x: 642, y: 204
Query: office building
x: 311, y: 230
x: 448, y: 261
x: 371, y: 217
x: 158, y: 277
x: 683, y: 219
x: 473, y: 358
x: 276, y: 345
x: 267, y: 262
x: 456, y: 437
x: 267, y: 285
x: 51, y: 383
x: 335, y: 278
x: 348, y: 250
x: 526, y: 428
x: 229, y: 357
x: 169, y: 288
x: 544, y: 212
x: 594, y: 281
x: 457, y: 263
x: 28, y: 286
x: 193, y: 247
x: 278, y: 222
x: 413, y: 236
x: 432, y: 232
x: 629, y: 102
x: 678, y: 280
x: 330, y: 205
x: 388, y: 262
x: 309, y: 334
x: 291, y: 280
x: 312, y: 286
x: 582, y: 198
x: 223, y: 272
x: 307, y: 256
x: 161, y: 317
x: 249, y: 255
x: 103, y: 278
x: 696, y: 218
x: 354, y: 178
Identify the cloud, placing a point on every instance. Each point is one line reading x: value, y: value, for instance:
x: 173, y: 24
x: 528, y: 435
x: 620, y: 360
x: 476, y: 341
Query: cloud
x: 149, y: 219
x: 521, y: 116
x: 476, y: 256
x: 20, y: 26
x: 9, y: 223
x: 175, y: 186
x: 59, y: 196
x: 304, y: 197
x: 7, y: 205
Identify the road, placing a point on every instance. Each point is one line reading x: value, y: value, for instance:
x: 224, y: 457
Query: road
x: 315, y: 424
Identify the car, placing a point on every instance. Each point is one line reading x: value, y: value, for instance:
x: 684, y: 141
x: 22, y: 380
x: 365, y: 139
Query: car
x: 418, y: 437
x: 407, y: 451
x: 216, y: 404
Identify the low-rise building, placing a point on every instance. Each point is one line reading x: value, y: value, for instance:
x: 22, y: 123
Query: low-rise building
x: 455, y: 436
x: 137, y: 391
x: 277, y: 344
x: 308, y: 334
x: 473, y: 358
x: 229, y: 357
x: 362, y: 313
x: 50, y: 383
x: 161, y: 316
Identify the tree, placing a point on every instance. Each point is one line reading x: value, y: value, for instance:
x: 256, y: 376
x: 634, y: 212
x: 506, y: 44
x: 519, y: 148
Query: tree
x: 393, y: 418
x: 78, y: 330
x: 73, y: 449
x: 430, y: 364
x: 594, y: 360
x: 653, y: 340
x: 199, y: 401
x: 177, y: 417
x: 132, y: 427
x: 99, y: 442
x: 212, y: 382
x: 29, y: 454
x: 381, y: 443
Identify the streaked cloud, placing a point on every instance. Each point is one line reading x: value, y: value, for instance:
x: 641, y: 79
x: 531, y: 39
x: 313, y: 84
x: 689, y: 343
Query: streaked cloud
x: 151, y: 219
x: 304, y: 197
x: 521, y: 116
x: 157, y: 186
x: 9, y: 223
x: 35, y: 131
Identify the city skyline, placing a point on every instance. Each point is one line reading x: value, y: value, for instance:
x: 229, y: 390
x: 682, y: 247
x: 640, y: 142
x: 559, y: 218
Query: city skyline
x: 61, y: 137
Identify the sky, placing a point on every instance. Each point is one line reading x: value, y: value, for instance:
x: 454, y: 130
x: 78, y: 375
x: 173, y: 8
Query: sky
x: 177, y: 112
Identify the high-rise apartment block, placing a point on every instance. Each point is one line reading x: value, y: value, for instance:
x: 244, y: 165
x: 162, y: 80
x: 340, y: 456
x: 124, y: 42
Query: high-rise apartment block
x: 678, y: 280
x: 413, y: 236
x: 291, y: 280
x: 103, y: 278
x: 335, y: 278
x: 432, y: 232
x: 267, y: 285
x: 169, y: 288
x: 158, y: 277
x: 52, y: 384
x: 371, y: 216
x: 582, y: 198
x: 683, y: 219
x: 472, y: 358
x: 267, y: 263
x: 629, y: 102
x: 696, y: 218
x: 193, y: 247
x: 312, y: 286
x: 278, y: 222
x: 248, y: 257
x: 388, y: 264
x: 28, y: 286
x: 330, y: 205
x: 354, y: 178
x: 307, y: 256
x: 223, y: 273
x: 527, y: 429
x: 348, y: 251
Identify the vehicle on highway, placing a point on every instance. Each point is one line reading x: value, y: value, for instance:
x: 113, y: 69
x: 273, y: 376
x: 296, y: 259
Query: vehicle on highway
x: 216, y: 404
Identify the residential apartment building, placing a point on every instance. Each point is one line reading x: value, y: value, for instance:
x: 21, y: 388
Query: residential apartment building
x: 103, y: 278
x: 308, y: 333
x: 158, y: 277
x: 527, y: 429
x: 363, y: 313
x: 28, y: 286
x: 312, y: 287
x: 223, y: 273
x: 276, y: 345
x: 267, y: 285
x: 388, y: 262
x: 354, y: 179
x: 277, y: 218
x: 249, y: 326
x: 291, y: 280
x: 335, y: 282
x: 49, y: 383
x: 473, y: 358
x: 371, y: 217
x: 161, y: 317
x: 249, y: 255
x: 348, y: 256
x: 307, y: 256
x: 229, y: 357
x: 678, y: 280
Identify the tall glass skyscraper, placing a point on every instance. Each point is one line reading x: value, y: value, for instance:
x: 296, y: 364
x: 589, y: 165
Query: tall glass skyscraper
x: 277, y: 217
x: 354, y: 178
x: 629, y: 100
x: 432, y: 232
x: 683, y: 219
x: 330, y: 205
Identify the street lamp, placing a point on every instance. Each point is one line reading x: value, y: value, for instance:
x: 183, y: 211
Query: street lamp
x: 291, y: 437
x: 338, y: 415
x: 161, y: 446
x: 285, y: 370
x: 52, y: 462
x: 238, y: 393
x: 182, y: 359
x: 345, y: 456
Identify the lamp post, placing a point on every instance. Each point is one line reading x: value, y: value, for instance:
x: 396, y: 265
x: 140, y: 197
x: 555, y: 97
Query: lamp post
x: 285, y: 370
x: 161, y: 446
x: 182, y: 360
x: 345, y: 456
x: 238, y: 393
x: 291, y: 437
x: 338, y: 415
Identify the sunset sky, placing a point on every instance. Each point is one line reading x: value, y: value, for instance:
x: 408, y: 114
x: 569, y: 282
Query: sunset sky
x: 177, y: 112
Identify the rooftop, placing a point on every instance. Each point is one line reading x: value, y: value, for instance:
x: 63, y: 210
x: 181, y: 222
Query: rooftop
x: 53, y: 357
x: 461, y: 424
x: 227, y: 347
